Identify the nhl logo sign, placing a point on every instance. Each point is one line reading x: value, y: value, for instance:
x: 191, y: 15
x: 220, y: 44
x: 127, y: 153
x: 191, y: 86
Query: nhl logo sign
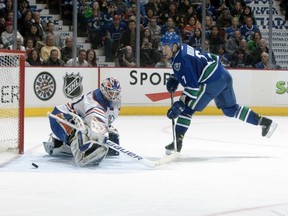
x: 72, y: 85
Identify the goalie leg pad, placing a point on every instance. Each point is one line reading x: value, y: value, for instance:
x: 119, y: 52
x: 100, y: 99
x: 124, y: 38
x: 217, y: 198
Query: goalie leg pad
x: 87, y: 152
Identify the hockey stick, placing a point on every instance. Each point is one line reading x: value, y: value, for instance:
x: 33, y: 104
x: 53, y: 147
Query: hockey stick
x: 121, y: 149
x: 173, y: 123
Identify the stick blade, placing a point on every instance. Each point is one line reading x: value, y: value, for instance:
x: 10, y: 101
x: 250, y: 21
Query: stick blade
x: 167, y: 159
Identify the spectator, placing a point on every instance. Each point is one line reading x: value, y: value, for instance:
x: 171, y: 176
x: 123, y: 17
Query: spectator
x: 155, y: 30
x: 84, y: 11
x: 170, y: 26
x: 40, y: 24
x: 183, y: 6
x: 111, y: 12
x: 4, y: 11
x: 224, y: 20
x: 24, y: 6
x: 162, y: 7
x: 163, y: 63
x: 121, y: 6
x: 284, y: 7
x: 196, y: 40
x: 146, y: 33
x: 142, y: 8
x: 112, y: 38
x: 128, y: 38
x: 66, y: 9
x: 67, y: 51
x: 148, y: 56
x: 95, y: 26
x: 145, y: 20
x: 190, y: 12
x: 7, y: 36
x: 19, y: 44
x: 80, y: 60
x: 245, y: 52
x: 104, y: 6
x: 54, y: 59
x: 126, y: 57
x: 170, y: 13
x: 254, y: 41
x: 190, y: 28
x: 232, y: 4
x: 29, y: 46
x: 264, y: 63
x: 210, y: 10
x: 247, y: 12
x: 229, y: 32
x: 46, y: 49
x: 34, y: 58
x: 207, y: 46
x: 4, y: 14
x: 33, y: 34
x: 256, y: 54
x: 248, y: 29
x: 215, y: 39
x: 25, y: 23
x: 237, y: 60
x: 237, y: 9
x: 233, y: 43
x: 91, y: 58
x: 153, y: 5
x: 56, y: 36
x: 209, y: 23
x: 223, y: 56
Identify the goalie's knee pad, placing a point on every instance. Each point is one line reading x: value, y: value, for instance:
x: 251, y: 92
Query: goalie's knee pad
x: 230, y: 111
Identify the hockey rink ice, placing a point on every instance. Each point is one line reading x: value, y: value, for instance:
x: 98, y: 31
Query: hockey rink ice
x: 226, y: 168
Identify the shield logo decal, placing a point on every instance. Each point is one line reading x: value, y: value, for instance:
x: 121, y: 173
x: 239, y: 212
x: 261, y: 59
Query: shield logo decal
x: 72, y: 85
x: 177, y: 66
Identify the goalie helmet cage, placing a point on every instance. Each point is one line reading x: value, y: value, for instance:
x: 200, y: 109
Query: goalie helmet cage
x: 12, y: 73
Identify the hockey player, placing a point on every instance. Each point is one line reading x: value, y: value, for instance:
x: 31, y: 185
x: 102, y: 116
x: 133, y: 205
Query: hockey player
x: 98, y: 109
x: 204, y: 78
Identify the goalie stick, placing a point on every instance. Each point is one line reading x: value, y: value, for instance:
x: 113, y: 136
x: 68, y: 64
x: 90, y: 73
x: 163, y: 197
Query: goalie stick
x: 126, y: 152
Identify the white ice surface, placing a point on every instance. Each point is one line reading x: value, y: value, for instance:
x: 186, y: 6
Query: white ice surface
x: 226, y: 168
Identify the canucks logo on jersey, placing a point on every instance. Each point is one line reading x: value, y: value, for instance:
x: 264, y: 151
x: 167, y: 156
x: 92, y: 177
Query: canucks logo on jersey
x: 177, y: 66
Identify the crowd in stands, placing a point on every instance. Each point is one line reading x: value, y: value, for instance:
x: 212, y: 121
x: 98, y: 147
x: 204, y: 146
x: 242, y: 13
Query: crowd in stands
x: 230, y: 31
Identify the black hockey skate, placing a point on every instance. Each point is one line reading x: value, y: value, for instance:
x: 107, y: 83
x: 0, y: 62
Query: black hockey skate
x: 170, y: 148
x: 268, y: 126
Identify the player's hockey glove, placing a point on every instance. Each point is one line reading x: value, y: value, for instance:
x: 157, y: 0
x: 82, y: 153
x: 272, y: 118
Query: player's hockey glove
x: 176, y: 109
x: 172, y: 84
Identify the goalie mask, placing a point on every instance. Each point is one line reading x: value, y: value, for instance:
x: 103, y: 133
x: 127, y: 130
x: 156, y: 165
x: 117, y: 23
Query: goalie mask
x: 111, y: 89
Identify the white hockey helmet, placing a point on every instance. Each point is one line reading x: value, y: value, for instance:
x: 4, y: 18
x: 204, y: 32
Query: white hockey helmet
x: 111, y: 89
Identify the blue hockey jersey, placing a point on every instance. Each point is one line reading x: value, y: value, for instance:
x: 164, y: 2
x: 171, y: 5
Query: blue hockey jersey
x: 193, y: 68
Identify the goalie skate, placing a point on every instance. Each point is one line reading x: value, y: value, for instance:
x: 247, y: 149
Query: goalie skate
x: 56, y: 147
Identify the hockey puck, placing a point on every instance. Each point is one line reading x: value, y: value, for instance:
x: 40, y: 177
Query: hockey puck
x: 35, y: 165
